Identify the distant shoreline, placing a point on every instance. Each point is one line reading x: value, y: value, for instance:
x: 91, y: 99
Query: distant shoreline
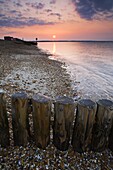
x: 100, y: 41
x: 72, y: 41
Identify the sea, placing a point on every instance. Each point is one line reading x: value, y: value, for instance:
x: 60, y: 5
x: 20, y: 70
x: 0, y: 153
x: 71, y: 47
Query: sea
x: 90, y: 65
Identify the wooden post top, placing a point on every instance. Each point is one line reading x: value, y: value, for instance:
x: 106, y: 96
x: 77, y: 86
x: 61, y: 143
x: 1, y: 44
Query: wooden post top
x: 21, y: 95
x: 2, y: 95
x: 41, y: 98
x: 106, y: 103
x: 87, y: 103
x: 64, y: 100
x: 2, y: 91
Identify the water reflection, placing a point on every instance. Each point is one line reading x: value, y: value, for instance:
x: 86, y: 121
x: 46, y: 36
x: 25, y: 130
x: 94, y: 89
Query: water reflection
x: 54, y: 48
x: 91, y: 64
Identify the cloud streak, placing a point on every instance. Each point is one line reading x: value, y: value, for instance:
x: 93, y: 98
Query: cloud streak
x: 16, y: 22
x: 36, y: 5
x: 56, y: 14
x: 88, y: 9
x: 21, y: 17
x: 18, y: 4
x: 1, y: 2
x: 53, y: 2
x: 48, y: 10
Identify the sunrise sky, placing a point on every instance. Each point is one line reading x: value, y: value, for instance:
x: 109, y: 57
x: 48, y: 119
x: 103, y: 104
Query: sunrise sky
x: 66, y: 19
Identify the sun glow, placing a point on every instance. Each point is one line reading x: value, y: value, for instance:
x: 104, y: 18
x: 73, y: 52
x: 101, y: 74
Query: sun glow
x: 54, y: 36
x: 54, y: 48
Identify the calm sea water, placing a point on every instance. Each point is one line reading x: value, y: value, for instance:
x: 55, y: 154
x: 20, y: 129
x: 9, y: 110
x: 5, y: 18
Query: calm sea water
x: 90, y: 65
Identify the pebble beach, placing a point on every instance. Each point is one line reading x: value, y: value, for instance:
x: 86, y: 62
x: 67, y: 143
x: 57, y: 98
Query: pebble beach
x: 28, y: 68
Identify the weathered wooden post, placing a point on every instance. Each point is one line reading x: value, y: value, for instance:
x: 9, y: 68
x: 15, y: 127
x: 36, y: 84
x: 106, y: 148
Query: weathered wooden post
x: 64, y: 113
x: 19, y: 118
x: 41, y: 120
x: 102, y: 126
x: 4, y: 126
x: 111, y: 139
x: 85, y: 118
x: 29, y: 111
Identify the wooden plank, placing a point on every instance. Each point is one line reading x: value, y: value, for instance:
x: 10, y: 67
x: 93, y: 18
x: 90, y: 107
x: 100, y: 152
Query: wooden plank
x: 20, y: 118
x: 85, y: 117
x: 64, y: 113
x: 41, y: 120
x: 102, y: 127
x: 4, y: 126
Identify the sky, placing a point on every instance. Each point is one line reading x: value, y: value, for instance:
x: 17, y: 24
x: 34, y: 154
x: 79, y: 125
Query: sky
x: 66, y: 19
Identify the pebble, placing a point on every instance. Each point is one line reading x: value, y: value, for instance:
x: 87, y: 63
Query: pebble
x: 34, y: 81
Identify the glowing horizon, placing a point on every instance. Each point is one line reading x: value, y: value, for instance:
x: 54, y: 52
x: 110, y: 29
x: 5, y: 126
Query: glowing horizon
x: 68, y: 19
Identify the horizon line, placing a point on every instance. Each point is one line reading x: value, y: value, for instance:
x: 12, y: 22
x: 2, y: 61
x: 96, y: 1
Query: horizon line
x: 65, y: 40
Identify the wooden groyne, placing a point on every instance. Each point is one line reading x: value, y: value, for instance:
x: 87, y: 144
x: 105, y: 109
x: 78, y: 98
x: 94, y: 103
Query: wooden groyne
x: 86, y: 125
